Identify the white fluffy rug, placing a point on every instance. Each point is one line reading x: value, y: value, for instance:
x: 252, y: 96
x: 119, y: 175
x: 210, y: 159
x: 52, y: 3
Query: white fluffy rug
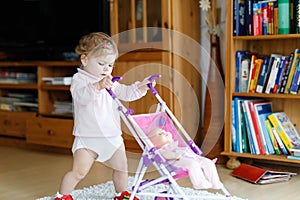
x: 105, y: 191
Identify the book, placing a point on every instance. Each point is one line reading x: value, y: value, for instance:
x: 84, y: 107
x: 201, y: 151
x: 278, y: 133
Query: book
x: 251, y: 131
x: 239, y: 26
x: 275, y: 17
x: 271, y: 18
x: 257, y: 19
x: 283, y: 16
x: 262, y: 111
x: 285, y: 129
x: 249, y: 17
x: 258, y: 175
x: 245, y: 138
x: 263, y: 74
x: 238, y: 127
x: 238, y: 66
x: 252, y: 141
x: 233, y: 125
x: 281, y: 145
x: 285, y: 74
x: 265, y: 18
x: 253, y: 83
x: 296, y: 79
x: 269, y: 68
x: 283, y: 64
x: 251, y: 71
x: 295, y: 151
x: 272, y: 137
x: 293, y: 157
x: 244, y: 73
x: 296, y: 16
x: 292, y: 70
x: 58, y: 80
x: 273, y: 75
x: 259, y: 136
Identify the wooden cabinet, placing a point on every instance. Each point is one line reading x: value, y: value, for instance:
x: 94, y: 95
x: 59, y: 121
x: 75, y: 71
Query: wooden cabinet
x: 264, y: 45
x: 14, y: 123
x: 161, y: 37
x: 35, y: 122
x: 50, y: 131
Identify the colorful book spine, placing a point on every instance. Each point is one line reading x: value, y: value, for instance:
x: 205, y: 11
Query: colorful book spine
x: 272, y: 137
x: 276, y: 120
x: 244, y: 74
x: 251, y: 71
x: 296, y: 79
x: 249, y: 17
x: 283, y: 64
x: 239, y: 27
x: 233, y: 122
x: 265, y: 18
x: 281, y: 145
x: 238, y: 129
x: 271, y: 18
x: 285, y: 75
x: 252, y: 140
x: 258, y: 66
x: 263, y: 74
x: 297, y: 15
x: 257, y: 19
x: 273, y: 75
x: 283, y: 17
x: 261, y: 143
x: 238, y: 63
x: 275, y: 17
x: 292, y: 71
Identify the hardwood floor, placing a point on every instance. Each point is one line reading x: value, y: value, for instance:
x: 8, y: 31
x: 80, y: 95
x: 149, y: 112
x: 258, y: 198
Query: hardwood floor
x: 28, y: 174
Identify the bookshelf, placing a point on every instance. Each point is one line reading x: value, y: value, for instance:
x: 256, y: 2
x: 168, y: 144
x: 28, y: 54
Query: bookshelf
x: 37, y: 125
x: 264, y: 45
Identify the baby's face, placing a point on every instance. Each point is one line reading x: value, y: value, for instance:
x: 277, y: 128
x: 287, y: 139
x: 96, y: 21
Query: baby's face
x: 100, y: 66
x: 160, y: 137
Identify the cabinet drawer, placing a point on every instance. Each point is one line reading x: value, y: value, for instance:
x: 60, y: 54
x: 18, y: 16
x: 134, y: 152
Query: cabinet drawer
x: 14, y: 123
x: 51, y: 132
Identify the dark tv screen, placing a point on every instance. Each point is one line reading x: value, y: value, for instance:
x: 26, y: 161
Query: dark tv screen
x: 44, y: 29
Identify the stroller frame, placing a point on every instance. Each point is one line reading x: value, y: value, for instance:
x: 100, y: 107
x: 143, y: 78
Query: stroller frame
x: 151, y: 156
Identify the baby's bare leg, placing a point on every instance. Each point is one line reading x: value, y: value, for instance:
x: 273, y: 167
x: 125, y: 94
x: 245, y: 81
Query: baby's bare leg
x: 118, y: 163
x: 83, y: 160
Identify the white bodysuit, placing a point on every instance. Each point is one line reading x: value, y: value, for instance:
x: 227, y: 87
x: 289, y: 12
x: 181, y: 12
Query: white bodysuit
x: 96, y: 115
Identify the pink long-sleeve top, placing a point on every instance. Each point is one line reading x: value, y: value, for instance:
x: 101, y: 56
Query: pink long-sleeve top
x: 95, y: 113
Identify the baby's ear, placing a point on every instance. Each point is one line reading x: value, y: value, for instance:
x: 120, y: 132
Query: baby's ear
x: 83, y: 59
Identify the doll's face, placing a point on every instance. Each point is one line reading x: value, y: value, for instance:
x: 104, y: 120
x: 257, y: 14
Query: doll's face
x: 100, y: 66
x: 160, y: 137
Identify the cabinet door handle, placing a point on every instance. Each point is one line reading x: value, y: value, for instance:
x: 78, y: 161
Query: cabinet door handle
x: 6, y: 122
x: 50, y: 132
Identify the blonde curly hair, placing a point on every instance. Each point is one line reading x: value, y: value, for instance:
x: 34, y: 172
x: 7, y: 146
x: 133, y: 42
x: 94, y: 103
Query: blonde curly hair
x: 96, y: 43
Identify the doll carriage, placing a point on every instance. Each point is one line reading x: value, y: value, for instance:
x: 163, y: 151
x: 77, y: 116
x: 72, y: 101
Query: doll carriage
x: 139, y: 126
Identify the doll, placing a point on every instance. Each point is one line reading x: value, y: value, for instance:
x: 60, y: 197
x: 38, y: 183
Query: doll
x: 202, y: 171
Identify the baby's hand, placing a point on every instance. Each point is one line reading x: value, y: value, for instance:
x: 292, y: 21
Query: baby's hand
x: 104, y: 83
x: 142, y: 86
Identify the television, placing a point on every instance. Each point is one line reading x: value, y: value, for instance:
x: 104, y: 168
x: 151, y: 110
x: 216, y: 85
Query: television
x: 47, y: 29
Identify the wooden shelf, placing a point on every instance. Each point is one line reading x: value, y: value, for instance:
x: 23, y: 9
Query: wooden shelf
x: 55, y: 87
x: 268, y: 37
x: 279, y: 158
x: 19, y: 86
x: 267, y: 96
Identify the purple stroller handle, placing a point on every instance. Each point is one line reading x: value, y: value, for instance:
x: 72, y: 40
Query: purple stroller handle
x: 114, y: 79
x: 151, y: 79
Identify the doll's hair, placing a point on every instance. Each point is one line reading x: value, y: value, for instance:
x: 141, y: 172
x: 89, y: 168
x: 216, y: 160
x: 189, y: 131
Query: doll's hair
x: 95, y: 44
